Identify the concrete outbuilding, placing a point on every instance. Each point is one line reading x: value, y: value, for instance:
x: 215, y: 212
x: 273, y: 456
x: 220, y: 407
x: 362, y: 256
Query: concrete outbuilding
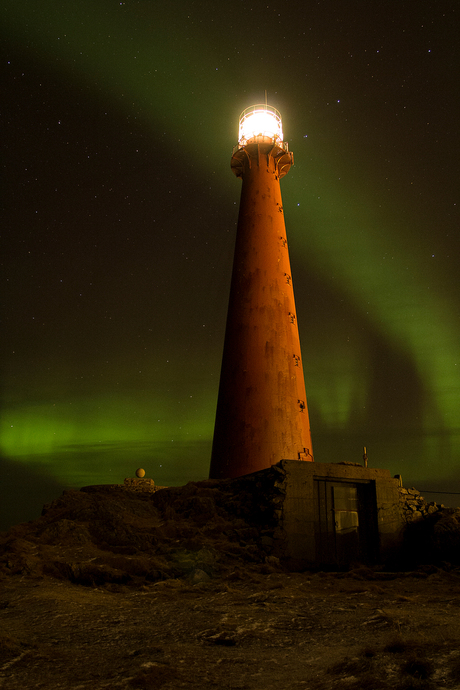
x: 333, y: 515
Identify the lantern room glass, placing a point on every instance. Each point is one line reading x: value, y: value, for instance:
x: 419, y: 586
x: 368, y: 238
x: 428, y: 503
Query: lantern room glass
x: 260, y: 123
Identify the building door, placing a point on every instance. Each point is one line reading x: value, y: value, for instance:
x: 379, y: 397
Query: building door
x: 346, y: 529
x: 346, y: 522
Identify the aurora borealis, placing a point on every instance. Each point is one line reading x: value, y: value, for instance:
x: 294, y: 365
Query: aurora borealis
x: 119, y: 222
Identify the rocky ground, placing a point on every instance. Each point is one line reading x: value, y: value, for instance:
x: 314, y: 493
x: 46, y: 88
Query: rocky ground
x: 110, y: 589
x: 247, y: 631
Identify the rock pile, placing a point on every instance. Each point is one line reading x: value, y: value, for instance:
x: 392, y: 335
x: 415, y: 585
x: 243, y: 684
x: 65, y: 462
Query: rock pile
x: 124, y: 534
x: 414, y: 507
x: 433, y: 539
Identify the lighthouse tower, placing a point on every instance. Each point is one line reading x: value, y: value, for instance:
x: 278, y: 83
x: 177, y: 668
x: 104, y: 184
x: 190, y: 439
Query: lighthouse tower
x: 262, y: 414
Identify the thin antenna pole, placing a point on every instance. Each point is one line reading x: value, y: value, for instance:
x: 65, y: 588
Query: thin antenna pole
x: 265, y: 97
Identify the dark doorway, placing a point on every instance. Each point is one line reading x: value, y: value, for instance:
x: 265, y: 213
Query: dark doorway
x: 346, y: 530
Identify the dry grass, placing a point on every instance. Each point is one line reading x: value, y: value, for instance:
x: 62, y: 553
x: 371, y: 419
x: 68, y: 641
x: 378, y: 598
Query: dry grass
x: 9, y: 648
x: 401, y: 664
x: 153, y: 676
x: 416, y: 667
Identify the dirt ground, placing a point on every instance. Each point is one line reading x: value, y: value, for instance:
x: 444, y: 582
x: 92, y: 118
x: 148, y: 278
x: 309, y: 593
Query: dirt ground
x: 247, y: 631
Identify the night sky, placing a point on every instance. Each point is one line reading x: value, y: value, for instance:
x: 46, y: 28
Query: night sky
x: 119, y: 217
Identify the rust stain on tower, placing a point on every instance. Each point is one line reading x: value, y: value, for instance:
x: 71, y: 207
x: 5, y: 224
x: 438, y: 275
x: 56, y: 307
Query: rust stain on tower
x: 262, y: 414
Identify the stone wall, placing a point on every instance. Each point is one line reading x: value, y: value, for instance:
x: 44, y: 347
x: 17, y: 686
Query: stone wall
x: 414, y: 507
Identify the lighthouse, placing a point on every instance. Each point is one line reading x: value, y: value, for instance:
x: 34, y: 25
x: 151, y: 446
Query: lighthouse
x: 262, y: 414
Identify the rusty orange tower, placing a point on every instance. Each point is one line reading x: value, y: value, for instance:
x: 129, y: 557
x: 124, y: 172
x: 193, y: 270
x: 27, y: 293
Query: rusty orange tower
x: 262, y: 414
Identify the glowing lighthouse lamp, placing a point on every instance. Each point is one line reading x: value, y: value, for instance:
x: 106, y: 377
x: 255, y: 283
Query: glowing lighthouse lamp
x: 260, y: 124
x: 262, y: 414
